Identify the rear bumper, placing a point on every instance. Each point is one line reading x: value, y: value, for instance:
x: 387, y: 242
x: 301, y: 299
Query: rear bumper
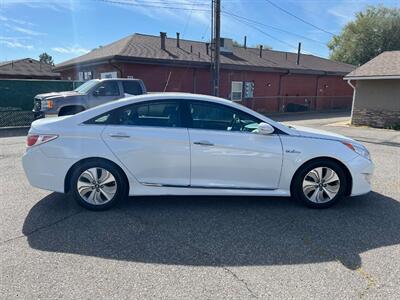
x: 361, y: 170
x: 44, y: 172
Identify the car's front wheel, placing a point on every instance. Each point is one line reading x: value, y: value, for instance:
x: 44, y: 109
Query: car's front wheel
x: 97, y: 185
x: 319, y: 184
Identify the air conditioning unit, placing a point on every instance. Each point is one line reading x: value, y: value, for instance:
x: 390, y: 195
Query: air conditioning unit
x: 226, y: 45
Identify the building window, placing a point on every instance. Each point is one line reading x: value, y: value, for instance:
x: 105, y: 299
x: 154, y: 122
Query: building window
x: 85, y: 76
x: 108, y: 75
x: 237, y: 91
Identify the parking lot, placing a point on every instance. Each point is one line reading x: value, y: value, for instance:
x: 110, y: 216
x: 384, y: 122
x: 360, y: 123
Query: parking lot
x: 204, y: 247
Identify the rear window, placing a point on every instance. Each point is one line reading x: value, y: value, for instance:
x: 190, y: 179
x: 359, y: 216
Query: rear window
x: 132, y: 87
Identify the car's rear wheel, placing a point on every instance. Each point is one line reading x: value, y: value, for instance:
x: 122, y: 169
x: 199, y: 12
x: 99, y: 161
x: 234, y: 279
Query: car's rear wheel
x: 97, y: 185
x: 319, y: 184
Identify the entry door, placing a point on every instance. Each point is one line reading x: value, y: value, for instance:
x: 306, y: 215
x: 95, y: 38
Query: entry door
x: 106, y: 91
x: 226, y: 152
x: 148, y: 139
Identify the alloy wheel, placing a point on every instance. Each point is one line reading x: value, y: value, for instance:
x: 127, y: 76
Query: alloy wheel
x: 321, y: 185
x: 97, y: 186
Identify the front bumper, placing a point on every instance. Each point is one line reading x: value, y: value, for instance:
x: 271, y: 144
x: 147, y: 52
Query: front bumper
x: 38, y: 114
x: 361, y: 170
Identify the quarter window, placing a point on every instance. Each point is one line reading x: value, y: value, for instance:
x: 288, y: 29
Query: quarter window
x: 160, y: 114
x: 213, y: 116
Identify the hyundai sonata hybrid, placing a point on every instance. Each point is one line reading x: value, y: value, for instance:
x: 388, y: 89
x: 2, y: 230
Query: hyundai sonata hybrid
x: 187, y: 144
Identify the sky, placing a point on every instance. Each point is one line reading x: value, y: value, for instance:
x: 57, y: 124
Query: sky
x: 69, y: 28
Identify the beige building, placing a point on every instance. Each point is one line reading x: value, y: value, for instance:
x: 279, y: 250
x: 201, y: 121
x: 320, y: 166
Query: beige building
x: 376, y: 97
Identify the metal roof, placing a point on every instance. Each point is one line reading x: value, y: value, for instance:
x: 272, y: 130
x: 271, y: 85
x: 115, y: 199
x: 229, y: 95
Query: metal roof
x: 142, y: 48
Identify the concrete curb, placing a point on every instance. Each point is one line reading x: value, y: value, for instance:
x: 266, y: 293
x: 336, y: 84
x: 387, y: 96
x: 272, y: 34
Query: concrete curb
x: 14, y: 131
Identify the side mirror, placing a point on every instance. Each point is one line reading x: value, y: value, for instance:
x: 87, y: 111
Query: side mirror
x: 265, y: 129
x: 96, y: 93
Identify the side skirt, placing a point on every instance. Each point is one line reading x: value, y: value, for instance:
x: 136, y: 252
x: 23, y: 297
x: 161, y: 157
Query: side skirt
x: 158, y: 189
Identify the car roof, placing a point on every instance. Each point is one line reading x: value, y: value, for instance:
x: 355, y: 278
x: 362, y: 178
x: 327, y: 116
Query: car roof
x: 104, y: 108
x: 119, y: 79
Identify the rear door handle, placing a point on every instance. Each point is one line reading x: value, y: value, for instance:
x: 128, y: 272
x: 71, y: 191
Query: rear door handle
x: 203, y: 143
x: 120, y: 135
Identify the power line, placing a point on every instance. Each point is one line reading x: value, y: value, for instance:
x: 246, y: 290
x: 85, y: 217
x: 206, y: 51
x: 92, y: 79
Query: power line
x: 272, y: 27
x: 153, y: 6
x: 269, y: 35
x: 263, y: 32
x: 188, y: 19
x: 298, y: 18
x: 164, y: 2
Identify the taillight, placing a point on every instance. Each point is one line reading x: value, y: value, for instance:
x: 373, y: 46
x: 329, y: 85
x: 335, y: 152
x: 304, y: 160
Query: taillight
x: 37, y: 139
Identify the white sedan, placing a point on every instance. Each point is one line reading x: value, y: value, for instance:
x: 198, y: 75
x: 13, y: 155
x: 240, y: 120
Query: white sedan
x: 186, y: 144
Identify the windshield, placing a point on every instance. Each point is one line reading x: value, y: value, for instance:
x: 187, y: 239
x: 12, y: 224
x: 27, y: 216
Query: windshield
x: 84, y: 88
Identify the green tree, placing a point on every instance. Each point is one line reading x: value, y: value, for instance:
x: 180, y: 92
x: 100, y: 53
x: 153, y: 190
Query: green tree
x: 375, y: 30
x: 237, y: 44
x: 47, y: 59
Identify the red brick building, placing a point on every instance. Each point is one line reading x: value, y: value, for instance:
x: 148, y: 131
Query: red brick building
x: 266, y: 80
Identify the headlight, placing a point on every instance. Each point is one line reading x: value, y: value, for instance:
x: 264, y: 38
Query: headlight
x: 360, y: 150
x: 47, y: 104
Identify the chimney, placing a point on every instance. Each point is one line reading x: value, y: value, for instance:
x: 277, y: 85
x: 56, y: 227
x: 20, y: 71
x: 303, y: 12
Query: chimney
x: 207, y: 47
x: 177, y: 40
x: 298, y: 54
x: 245, y: 42
x: 163, y: 36
x: 191, y: 48
x: 261, y: 48
x: 199, y: 54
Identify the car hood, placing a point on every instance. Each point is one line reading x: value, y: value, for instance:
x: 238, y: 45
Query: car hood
x: 319, y: 134
x: 57, y: 95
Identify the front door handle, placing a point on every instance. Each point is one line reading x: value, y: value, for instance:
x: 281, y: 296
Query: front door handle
x: 203, y: 143
x: 119, y: 135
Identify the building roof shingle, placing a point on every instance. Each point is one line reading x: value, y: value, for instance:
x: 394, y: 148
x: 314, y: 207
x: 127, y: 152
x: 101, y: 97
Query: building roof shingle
x: 385, y: 65
x: 27, y: 67
x: 142, y: 47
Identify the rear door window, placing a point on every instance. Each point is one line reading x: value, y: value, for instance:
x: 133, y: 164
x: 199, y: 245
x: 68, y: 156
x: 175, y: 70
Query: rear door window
x: 157, y: 114
x: 131, y: 87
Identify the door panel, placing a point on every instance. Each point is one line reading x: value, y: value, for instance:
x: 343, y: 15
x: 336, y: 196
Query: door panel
x: 148, y: 138
x: 227, y: 150
x: 235, y: 159
x: 152, y: 154
x: 106, y: 91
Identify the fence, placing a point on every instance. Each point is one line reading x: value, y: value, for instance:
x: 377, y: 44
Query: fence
x: 271, y: 104
x: 16, y: 98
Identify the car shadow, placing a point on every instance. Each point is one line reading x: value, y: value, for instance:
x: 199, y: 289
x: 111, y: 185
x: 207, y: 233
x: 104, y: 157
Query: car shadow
x: 216, y: 231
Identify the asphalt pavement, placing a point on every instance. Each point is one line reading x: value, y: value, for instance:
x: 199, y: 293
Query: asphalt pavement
x: 203, y: 247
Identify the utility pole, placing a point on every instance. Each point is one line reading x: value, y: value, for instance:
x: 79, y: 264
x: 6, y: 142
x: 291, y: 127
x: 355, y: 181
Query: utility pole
x: 217, y: 44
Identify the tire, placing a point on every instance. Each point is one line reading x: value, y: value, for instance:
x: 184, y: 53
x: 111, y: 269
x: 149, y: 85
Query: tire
x: 315, y: 193
x: 98, y: 185
x: 70, y: 110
